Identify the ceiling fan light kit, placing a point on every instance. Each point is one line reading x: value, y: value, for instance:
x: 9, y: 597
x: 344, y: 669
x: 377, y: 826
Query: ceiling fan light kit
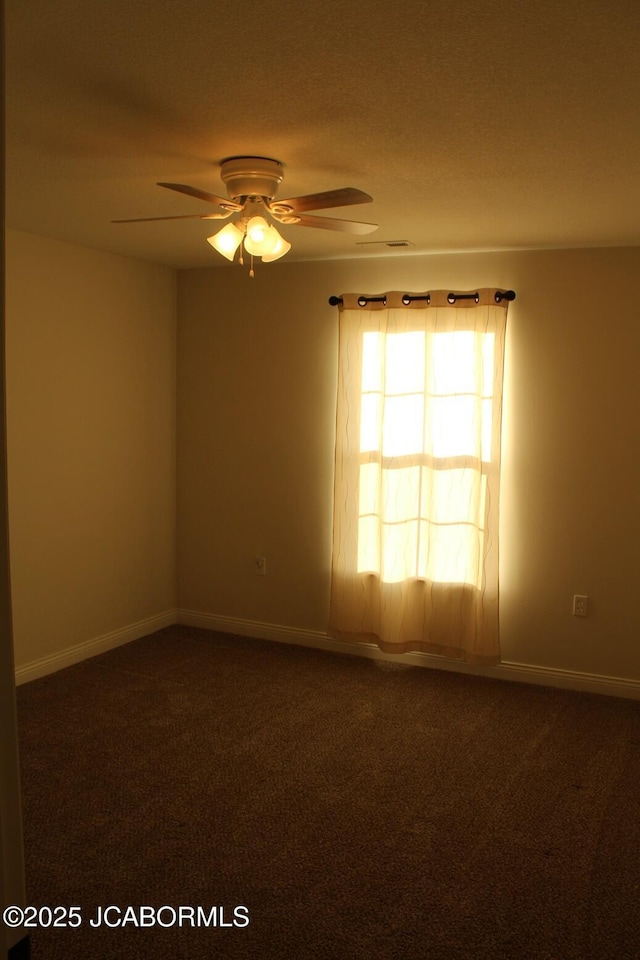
x: 251, y: 184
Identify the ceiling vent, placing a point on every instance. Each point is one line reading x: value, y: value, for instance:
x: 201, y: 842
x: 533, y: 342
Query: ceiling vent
x: 385, y: 243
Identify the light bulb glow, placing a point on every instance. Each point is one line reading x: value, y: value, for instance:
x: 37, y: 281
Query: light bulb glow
x: 282, y: 247
x: 257, y: 229
x: 261, y: 238
x: 227, y: 240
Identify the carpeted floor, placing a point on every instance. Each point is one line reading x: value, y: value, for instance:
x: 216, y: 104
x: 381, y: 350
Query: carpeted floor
x: 355, y: 809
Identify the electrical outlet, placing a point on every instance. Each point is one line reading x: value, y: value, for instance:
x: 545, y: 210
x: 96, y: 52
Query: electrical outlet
x: 579, y: 605
x: 260, y: 566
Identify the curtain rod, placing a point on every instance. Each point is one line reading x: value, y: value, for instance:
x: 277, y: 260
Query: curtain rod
x: 500, y: 295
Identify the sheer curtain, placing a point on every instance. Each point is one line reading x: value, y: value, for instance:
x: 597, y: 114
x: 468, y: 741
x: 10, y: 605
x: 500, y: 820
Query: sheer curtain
x: 415, y: 543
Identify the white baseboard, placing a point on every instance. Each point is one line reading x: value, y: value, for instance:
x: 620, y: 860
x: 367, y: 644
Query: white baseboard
x: 519, y: 672
x: 90, y: 648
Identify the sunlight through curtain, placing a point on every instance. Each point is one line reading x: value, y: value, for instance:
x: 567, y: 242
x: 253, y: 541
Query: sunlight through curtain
x: 415, y: 543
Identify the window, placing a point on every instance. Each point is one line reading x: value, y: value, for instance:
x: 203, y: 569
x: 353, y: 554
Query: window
x: 417, y: 469
x: 427, y: 400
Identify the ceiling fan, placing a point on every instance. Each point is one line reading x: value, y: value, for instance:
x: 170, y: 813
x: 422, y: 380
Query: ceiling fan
x: 252, y: 183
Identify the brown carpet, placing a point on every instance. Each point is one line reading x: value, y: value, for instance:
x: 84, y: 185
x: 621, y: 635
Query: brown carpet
x: 357, y: 810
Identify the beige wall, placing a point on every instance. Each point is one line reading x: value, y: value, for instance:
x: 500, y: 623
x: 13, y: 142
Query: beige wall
x: 91, y: 354
x: 256, y: 406
x: 91, y: 442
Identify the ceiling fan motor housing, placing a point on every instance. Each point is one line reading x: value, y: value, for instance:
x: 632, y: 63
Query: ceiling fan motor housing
x: 251, y: 176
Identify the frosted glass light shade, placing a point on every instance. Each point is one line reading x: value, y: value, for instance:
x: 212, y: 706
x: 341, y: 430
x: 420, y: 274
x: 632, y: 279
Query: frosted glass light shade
x: 282, y: 247
x: 227, y: 240
x: 261, y: 238
x: 257, y: 228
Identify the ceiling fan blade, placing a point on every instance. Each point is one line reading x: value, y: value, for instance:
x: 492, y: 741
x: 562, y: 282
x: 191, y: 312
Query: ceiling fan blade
x: 321, y: 201
x: 202, y: 195
x: 184, y: 216
x: 330, y: 223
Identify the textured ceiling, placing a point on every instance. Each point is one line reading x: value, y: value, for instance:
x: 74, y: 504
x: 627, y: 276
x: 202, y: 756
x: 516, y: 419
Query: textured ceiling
x: 473, y: 125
